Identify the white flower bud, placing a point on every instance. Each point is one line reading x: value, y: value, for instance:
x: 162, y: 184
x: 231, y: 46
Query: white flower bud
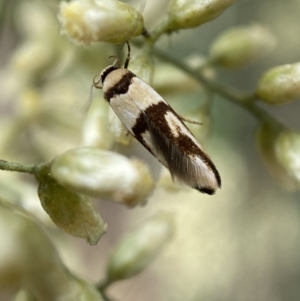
x: 280, y: 84
x: 135, y: 251
x: 72, y: 212
x: 103, y: 174
x: 118, y: 129
x: 90, y: 21
x: 95, y: 128
x: 32, y: 57
x: 28, y: 14
x: 171, y: 80
x: 240, y: 45
x: 280, y: 149
x: 287, y: 150
x: 192, y: 13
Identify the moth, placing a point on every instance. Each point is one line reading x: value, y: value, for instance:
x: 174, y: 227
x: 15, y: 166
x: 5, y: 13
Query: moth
x: 153, y: 122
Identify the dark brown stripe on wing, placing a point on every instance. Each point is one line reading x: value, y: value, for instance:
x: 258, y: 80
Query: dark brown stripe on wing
x: 154, y: 120
x: 139, y: 129
x: 121, y: 87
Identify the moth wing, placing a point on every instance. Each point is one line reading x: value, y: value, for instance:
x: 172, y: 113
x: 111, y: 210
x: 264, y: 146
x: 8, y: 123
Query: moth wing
x: 193, y: 168
x: 155, y: 124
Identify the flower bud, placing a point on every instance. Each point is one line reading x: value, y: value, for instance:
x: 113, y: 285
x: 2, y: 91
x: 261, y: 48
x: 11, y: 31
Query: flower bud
x: 135, y: 251
x: 28, y: 14
x: 72, y: 212
x: 118, y: 129
x: 241, y: 45
x: 280, y: 149
x: 94, y: 131
x: 103, y: 174
x: 32, y: 58
x: 192, y: 13
x: 90, y: 21
x: 171, y: 80
x: 280, y: 84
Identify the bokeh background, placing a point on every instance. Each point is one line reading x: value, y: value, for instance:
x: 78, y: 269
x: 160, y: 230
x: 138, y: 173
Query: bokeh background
x: 242, y: 243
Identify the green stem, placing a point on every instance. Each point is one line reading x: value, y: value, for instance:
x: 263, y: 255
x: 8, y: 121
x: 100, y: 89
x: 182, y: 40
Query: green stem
x: 19, y: 167
x: 155, y: 35
x: 11, y: 166
x: 243, y: 99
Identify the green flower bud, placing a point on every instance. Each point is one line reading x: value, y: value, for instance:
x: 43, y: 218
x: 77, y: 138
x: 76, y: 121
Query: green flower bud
x: 280, y: 149
x: 241, y: 45
x: 104, y: 174
x: 90, y: 21
x: 72, y: 212
x: 135, y: 251
x: 280, y: 84
x: 192, y: 13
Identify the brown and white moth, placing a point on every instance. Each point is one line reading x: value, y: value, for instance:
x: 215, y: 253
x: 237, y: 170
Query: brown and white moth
x: 152, y: 121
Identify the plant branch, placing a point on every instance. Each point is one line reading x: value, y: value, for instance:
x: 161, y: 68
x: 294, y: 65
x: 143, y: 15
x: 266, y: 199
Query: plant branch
x: 243, y: 99
x: 19, y: 167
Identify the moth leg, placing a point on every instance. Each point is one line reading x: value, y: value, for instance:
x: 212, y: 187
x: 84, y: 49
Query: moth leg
x: 96, y: 82
x: 128, y: 56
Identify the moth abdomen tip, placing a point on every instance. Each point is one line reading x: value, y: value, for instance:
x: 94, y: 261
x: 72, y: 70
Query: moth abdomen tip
x: 206, y: 190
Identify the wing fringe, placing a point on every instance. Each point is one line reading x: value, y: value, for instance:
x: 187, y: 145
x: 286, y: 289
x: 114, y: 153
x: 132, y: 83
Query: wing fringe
x: 199, y: 174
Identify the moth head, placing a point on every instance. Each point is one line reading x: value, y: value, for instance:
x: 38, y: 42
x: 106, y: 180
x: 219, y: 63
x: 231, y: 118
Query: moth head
x: 106, y: 71
x: 115, y: 65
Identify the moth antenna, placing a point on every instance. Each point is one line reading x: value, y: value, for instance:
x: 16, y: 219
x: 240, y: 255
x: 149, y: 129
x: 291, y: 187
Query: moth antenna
x: 189, y: 120
x: 87, y: 105
x: 128, y: 56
